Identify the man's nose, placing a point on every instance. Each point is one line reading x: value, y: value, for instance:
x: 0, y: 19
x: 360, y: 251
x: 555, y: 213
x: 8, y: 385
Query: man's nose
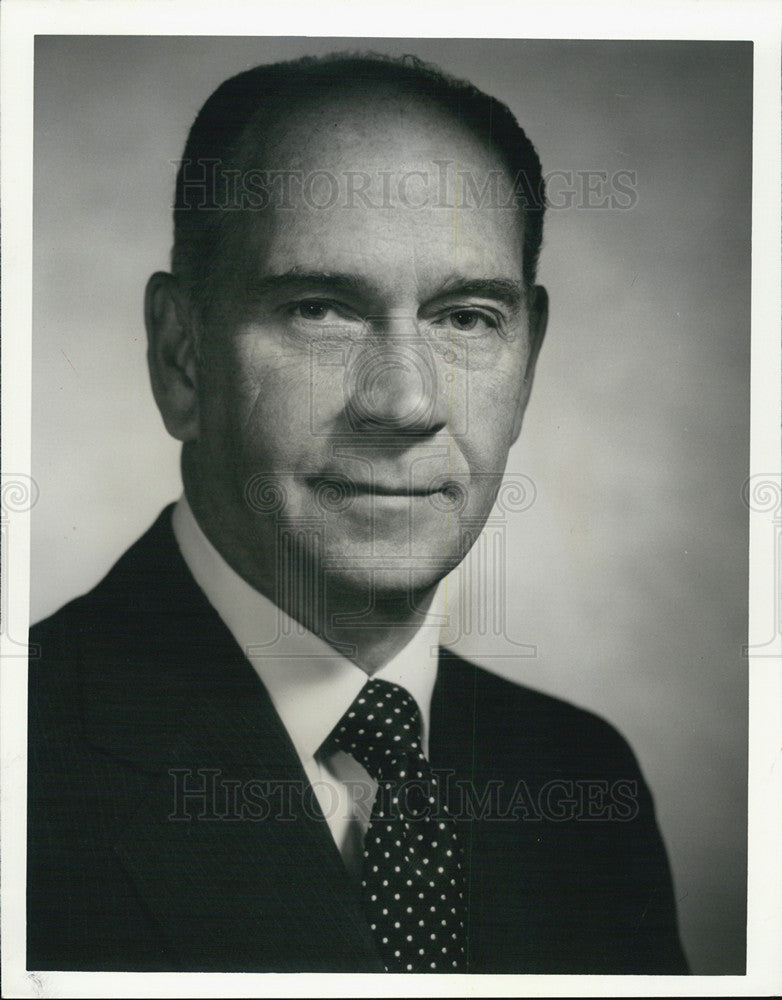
x: 391, y: 381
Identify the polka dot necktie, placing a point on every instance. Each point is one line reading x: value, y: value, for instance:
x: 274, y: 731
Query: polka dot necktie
x: 413, y: 882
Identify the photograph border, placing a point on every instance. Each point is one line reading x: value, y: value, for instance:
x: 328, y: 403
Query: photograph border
x: 760, y: 22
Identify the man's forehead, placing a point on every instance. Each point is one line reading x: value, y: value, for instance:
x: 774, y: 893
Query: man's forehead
x: 401, y: 250
x: 408, y: 253
x: 380, y: 133
x: 385, y: 182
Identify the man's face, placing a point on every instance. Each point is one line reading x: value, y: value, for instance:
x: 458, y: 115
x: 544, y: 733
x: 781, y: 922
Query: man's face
x: 371, y: 365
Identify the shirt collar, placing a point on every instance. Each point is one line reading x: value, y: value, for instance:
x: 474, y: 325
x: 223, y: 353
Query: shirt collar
x: 311, y: 685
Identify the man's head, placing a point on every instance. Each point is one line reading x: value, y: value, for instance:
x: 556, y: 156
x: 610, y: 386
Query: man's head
x: 347, y: 343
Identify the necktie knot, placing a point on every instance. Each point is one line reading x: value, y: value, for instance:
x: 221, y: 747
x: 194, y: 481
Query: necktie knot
x: 381, y: 729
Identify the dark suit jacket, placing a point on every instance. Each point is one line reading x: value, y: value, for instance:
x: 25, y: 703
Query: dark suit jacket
x: 171, y: 826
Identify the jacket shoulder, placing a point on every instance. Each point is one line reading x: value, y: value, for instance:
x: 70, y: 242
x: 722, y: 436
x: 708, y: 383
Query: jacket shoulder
x: 126, y: 583
x: 97, y: 628
x: 508, y: 714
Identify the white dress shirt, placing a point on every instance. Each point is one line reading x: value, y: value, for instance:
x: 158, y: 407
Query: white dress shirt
x: 311, y: 685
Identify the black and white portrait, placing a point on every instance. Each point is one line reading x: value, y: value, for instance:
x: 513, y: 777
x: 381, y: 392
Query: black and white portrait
x: 389, y: 501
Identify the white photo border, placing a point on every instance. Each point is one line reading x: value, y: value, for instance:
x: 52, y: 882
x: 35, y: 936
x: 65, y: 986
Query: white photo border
x: 756, y: 20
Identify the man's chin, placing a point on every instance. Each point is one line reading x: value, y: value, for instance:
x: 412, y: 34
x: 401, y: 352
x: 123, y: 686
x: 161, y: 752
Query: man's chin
x: 389, y: 583
x: 379, y: 579
x: 355, y: 572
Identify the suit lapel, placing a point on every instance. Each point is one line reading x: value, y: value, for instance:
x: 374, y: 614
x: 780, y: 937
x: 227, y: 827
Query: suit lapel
x: 453, y: 719
x: 229, y: 849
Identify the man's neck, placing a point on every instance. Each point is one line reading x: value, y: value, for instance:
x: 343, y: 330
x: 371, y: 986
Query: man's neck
x: 368, y: 629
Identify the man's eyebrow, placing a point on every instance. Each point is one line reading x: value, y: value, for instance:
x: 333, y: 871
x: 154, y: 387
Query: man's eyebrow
x: 295, y: 280
x: 504, y: 290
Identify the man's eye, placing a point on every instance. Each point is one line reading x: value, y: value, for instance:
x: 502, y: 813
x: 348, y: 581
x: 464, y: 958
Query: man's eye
x: 312, y: 309
x: 468, y: 319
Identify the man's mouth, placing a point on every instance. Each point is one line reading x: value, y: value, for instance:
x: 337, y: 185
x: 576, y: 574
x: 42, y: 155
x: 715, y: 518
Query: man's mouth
x: 332, y: 486
x: 389, y: 490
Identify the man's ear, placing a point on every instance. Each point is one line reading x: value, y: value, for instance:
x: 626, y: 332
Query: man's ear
x: 172, y: 356
x: 538, y: 321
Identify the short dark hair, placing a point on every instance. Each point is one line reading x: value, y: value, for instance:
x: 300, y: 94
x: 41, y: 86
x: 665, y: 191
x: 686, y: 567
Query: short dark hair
x: 237, y: 107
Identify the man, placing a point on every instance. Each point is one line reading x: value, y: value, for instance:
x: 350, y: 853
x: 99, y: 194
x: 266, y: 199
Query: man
x: 247, y: 752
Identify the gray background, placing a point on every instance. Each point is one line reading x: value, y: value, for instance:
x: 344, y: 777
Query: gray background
x: 628, y: 574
